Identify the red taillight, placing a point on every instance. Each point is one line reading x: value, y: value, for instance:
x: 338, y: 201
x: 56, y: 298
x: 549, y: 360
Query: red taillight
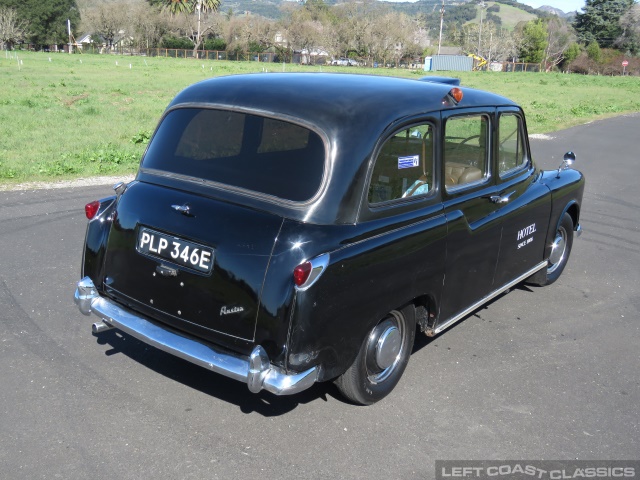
x: 301, y: 273
x: 91, y: 209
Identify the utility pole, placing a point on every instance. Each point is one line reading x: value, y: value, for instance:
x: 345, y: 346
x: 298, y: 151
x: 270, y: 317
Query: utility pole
x: 69, y: 30
x: 199, y: 8
x: 480, y: 33
x: 441, y: 21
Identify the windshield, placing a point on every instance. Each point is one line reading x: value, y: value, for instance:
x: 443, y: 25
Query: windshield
x: 252, y: 152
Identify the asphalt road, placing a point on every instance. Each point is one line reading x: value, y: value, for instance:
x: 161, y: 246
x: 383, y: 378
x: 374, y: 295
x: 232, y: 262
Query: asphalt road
x: 540, y: 373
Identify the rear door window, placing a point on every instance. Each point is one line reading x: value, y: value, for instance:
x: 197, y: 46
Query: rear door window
x: 255, y: 153
x: 404, y: 166
x: 466, y: 151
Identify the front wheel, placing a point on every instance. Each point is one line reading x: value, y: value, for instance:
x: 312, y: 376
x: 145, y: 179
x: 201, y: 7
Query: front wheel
x: 381, y: 360
x: 560, y: 250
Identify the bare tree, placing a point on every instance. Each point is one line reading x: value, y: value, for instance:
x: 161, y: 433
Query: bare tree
x: 249, y: 33
x: 12, y: 28
x: 149, y: 25
x: 353, y: 24
x: 391, y: 37
x: 559, y: 37
x: 307, y: 36
x: 107, y: 21
x: 195, y: 28
x: 307, y: 28
x: 501, y: 44
x: 630, y: 24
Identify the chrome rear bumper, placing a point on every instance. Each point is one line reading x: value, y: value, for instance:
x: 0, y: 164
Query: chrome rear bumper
x: 255, y: 370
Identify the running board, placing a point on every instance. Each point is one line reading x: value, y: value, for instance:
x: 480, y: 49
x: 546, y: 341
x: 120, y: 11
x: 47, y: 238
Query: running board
x: 433, y: 332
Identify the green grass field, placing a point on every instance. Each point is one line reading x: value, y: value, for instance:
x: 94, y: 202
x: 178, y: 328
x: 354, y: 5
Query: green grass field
x: 68, y: 116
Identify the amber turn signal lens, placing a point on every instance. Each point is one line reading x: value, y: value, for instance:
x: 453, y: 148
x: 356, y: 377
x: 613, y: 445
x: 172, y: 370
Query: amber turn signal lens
x: 91, y: 209
x: 301, y: 273
x: 456, y: 94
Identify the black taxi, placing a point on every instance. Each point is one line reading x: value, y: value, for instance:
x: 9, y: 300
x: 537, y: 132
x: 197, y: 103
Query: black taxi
x: 287, y: 229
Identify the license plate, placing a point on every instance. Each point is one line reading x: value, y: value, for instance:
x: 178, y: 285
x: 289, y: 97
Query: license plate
x: 175, y: 250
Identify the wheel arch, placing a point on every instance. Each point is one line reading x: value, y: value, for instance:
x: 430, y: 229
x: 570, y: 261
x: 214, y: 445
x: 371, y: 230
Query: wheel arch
x: 426, y: 307
x: 573, y: 209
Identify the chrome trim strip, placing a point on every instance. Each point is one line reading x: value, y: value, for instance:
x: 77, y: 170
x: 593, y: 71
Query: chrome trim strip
x: 578, y: 230
x: 484, y: 300
x: 256, y: 370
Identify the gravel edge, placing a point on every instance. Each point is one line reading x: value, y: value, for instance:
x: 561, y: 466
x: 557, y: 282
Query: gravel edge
x: 80, y: 182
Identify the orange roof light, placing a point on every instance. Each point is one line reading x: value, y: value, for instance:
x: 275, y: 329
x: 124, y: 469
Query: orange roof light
x: 456, y: 94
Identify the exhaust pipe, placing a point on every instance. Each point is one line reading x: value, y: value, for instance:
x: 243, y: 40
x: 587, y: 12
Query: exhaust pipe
x: 100, y: 327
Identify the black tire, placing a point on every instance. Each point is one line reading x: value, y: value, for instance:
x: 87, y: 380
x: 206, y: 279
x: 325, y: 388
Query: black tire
x: 561, y: 248
x: 377, y: 368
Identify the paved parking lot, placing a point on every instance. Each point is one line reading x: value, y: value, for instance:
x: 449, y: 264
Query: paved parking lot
x: 540, y: 373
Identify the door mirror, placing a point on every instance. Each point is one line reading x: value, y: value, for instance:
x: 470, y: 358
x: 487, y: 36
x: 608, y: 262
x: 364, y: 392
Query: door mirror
x: 568, y: 160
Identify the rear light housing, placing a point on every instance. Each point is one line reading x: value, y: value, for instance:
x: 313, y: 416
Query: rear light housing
x: 91, y: 209
x: 301, y: 273
x: 308, y: 272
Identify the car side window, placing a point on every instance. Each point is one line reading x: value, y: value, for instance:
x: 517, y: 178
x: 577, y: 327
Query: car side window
x: 466, y: 150
x: 511, y: 153
x: 404, y: 166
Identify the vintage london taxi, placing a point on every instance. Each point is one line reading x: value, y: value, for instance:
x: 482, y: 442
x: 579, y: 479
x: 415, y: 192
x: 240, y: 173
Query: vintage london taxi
x: 287, y: 229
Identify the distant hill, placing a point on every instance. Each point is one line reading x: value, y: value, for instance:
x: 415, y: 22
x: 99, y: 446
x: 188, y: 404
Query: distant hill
x: 510, y: 11
x: 556, y: 11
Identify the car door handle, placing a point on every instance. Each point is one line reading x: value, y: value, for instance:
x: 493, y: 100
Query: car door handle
x: 501, y: 198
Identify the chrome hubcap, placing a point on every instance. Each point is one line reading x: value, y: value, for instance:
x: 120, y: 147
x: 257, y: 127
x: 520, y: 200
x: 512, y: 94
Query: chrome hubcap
x: 385, y: 348
x: 558, y: 249
x: 388, y: 347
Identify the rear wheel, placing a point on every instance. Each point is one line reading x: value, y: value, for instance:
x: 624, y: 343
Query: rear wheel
x: 381, y: 360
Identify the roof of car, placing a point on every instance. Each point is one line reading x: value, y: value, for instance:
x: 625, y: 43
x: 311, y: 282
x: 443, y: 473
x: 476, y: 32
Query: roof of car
x: 320, y: 97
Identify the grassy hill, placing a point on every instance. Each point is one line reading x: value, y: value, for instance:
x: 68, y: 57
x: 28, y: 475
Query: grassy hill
x: 509, y: 15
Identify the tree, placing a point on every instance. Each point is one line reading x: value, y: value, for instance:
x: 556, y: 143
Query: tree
x: 390, y: 37
x: 502, y: 45
x: 594, y: 52
x: 570, y: 54
x: 12, y: 29
x: 600, y: 21
x: 249, y: 33
x: 559, y: 38
x: 190, y: 6
x: 106, y: 20
x: 305, y: 27
x: 149, y: 26
x: 352, y: 25
x: 629, y: 40
x: 534, y: 41
x: 186, y: 8
x: 47, y: 19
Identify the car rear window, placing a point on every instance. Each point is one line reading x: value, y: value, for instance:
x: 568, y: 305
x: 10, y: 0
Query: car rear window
x: 252, y: 152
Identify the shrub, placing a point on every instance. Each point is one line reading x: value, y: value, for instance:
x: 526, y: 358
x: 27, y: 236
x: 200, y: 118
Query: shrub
x: 610, y: 64
x: 593, y: 51
x: 571, y: 53
x: 175, y: 42
x: 215, y: 44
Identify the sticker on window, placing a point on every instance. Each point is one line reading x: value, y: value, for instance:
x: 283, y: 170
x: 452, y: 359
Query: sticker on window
x: 408, y: 162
